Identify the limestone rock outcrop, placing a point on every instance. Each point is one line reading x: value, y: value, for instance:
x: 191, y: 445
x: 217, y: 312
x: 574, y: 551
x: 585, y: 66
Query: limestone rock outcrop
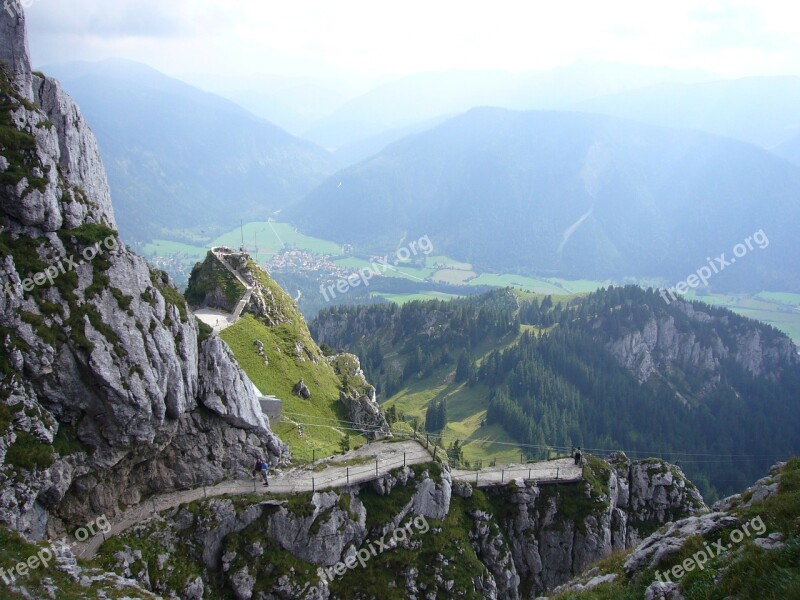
x: 109, y: 392
x: 359, y: 398
x: 556, y: 532
x: 663, y: 345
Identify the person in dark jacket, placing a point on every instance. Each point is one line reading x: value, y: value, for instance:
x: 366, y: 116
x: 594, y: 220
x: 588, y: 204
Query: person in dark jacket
x: 262, y: 467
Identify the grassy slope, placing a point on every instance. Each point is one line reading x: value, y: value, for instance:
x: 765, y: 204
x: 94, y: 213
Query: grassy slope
x: 283, y: 372
x: 285, y: 369
x: 466, y: 409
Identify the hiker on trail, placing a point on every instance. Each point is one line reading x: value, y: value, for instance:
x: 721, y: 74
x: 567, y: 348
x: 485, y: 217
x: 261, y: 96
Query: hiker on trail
x: 578, y: 456
x: 263, y: 468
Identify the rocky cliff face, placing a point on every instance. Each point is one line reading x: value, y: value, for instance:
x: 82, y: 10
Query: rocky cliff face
x: 745, y: 545
x: 555, y: 531
x: 507, y: 542
x: 108, y: 391
x: 667, y: 345
x: 359, y: 398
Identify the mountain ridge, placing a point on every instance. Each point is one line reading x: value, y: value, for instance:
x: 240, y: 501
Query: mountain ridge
x: 569, y: 194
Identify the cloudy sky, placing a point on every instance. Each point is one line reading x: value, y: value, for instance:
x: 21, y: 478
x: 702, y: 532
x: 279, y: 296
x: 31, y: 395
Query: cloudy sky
x: 376, y: 40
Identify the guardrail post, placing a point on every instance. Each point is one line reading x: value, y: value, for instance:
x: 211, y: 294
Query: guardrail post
x: 415, y: 435
x: 529, y: 473
x: 404, y: 459
x: 503, y: 476
x: 313, y: 485
x: 313, y: 455
x: 348, y: 475
x: 557, y: 470
x: 476, y: 478
x: 376, y: 467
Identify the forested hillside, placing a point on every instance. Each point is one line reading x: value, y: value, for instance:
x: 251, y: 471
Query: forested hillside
x: 619, y: 368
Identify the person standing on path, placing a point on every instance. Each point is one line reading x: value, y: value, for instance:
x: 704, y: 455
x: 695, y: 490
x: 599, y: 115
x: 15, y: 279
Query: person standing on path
x: 262, y: 467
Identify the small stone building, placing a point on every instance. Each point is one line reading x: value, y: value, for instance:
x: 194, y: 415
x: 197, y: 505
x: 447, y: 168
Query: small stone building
x: 271, y: 407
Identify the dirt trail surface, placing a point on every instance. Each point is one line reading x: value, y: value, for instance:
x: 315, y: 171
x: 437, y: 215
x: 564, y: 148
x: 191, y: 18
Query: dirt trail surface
x: 369, y: 462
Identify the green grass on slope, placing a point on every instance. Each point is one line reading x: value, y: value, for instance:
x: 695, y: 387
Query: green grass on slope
x: 285, y: 369
x: 403, y: 298
x: 538, y: 285
x: 466, y: 410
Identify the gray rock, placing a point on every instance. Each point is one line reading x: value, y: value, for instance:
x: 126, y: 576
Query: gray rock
x: 158, y: 410
x: 492, y: 551
x: 662, y: 345
x: 462, y: 489
x: 360, y: 400
x: 242, y: 584
x: 432, y: 500
x: 774, y: 541
x: 14, y: 46
x: 301, y: 389
x: 663, y: 591
x: 662, y: 544
x: 194, y: 590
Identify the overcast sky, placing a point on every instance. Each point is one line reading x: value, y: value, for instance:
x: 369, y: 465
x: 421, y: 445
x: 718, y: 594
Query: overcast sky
x: 376, y: 40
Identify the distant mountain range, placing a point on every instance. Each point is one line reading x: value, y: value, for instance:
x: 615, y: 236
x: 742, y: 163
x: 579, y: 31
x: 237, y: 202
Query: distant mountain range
x: 422, y: 97
x: 759, y: 110
x: 573, y: 195
x: 554, y: 193
x: 183, y: 163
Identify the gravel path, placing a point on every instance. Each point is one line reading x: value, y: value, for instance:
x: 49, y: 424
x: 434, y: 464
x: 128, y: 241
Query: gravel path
x: 552, y: 471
